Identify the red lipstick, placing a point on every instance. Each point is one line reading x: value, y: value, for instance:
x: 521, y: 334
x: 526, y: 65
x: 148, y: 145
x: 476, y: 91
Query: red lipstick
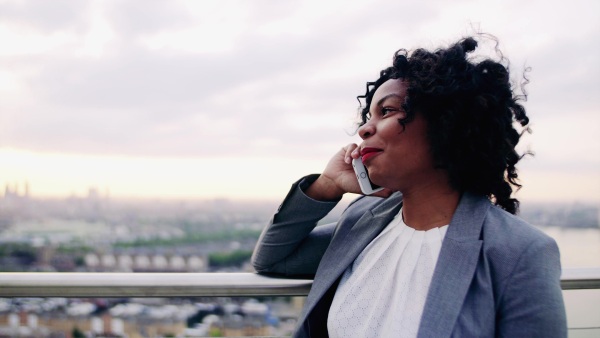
x: 368, y: 152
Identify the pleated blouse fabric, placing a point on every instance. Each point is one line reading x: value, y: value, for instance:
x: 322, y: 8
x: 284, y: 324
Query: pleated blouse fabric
x: 382, y: 294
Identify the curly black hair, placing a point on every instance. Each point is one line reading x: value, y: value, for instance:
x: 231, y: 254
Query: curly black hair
x: 470, y: 108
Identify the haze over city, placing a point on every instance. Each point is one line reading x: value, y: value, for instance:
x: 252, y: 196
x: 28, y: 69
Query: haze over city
x: 238, y: 99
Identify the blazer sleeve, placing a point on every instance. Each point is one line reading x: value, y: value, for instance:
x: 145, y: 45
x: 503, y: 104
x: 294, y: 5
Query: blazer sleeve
x: 532, y: 303
x: 292, y: 244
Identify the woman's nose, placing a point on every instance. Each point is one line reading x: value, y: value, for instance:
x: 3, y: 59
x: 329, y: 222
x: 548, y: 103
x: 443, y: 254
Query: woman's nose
x: 366, y: 130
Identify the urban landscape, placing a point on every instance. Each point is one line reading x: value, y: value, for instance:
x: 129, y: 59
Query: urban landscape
x: 96, y: 233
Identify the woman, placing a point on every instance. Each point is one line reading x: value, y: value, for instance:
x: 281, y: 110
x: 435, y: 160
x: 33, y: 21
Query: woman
x: 438, y: 252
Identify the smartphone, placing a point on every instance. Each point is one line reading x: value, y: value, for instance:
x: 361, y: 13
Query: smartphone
x: 366, y: 186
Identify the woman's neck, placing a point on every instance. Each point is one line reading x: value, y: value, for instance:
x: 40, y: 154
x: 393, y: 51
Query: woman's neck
x: 429, y: 206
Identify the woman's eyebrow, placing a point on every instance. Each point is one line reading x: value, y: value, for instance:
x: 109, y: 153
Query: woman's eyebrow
x: 380, y: 102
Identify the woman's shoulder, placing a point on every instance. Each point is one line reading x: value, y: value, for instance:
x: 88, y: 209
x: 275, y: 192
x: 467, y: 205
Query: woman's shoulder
x: 509, y: 240
x: 505, y: 228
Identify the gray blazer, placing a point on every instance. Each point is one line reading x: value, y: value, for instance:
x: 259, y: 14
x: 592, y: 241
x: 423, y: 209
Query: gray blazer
x: 496, y: 275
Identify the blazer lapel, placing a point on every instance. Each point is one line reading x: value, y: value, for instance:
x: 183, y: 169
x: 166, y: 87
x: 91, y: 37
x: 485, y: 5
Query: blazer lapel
x: 348, y: 244
x: 455, y: 268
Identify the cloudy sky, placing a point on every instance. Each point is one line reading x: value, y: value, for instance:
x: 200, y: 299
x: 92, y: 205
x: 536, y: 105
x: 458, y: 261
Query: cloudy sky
x: 179, y: 99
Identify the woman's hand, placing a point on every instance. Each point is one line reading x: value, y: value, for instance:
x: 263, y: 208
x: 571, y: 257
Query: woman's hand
x: 339, y: 178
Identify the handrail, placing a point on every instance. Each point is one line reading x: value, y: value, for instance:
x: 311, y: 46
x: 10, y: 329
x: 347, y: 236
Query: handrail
x: 580, y: 278
x: 41, y: 284
x: 99, y: 284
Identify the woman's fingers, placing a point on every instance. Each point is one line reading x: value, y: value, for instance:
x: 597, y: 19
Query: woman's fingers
x: 351, y: 152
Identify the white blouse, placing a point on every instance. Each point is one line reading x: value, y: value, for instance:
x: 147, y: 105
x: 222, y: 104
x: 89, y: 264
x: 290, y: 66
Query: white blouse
x: 382, y: 294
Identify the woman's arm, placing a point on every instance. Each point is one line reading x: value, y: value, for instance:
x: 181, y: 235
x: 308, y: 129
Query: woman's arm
x: 292, y: 244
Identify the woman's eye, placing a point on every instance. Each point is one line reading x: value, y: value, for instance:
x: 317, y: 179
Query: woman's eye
x: 386, y: 110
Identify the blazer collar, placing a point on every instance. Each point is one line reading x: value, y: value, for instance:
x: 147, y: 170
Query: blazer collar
x: 348, y: 243
x: 455, y: 267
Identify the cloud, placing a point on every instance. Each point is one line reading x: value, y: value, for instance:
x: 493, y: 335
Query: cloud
x: 565, y: 74
x: 199, y: 79
x: 147, y: 102
x: 45, y: 16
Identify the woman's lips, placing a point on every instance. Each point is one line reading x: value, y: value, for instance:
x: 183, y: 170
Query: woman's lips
x: 367, y: 153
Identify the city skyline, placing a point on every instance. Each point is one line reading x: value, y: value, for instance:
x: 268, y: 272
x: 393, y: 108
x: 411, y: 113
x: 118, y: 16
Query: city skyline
x: 238, y: 100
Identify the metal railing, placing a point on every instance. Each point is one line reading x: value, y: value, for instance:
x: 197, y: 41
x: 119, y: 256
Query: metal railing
x: 40, y: 284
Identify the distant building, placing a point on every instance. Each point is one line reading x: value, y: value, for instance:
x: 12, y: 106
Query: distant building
x: 139, y: 262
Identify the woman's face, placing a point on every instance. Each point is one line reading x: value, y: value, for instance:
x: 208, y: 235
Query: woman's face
x: 397, y: 157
